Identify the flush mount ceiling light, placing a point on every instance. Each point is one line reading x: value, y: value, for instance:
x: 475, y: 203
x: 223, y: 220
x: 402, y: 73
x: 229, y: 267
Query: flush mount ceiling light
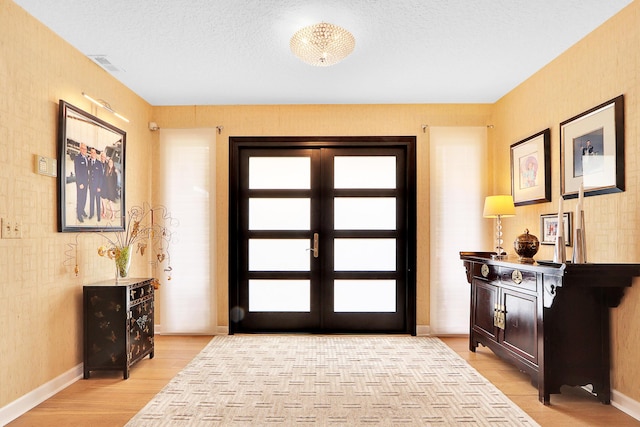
x: 322, y: 44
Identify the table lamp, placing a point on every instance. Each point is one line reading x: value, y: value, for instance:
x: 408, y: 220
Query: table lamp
x: 499, y: 207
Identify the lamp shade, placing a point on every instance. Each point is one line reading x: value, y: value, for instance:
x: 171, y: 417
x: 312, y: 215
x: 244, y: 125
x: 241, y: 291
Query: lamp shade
x: 501, y: 205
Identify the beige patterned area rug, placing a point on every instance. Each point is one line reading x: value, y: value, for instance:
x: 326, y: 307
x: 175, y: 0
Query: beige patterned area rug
x: 337, y: 380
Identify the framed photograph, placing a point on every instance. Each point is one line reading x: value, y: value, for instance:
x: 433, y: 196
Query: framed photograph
x: 592, y: 150
x: 531, y: 169
x: 549, y: 228
x: 91, y: 182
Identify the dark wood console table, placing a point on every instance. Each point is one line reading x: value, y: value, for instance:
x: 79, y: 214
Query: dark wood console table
x: 549, y: 320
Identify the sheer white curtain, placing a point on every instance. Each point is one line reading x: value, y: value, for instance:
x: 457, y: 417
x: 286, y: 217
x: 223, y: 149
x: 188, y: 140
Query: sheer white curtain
x: 187, y: 159
x: 458, y: 179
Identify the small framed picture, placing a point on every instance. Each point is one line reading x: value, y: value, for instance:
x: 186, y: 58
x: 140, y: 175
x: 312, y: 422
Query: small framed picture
x: 531, y: 169
x: 549, y: 228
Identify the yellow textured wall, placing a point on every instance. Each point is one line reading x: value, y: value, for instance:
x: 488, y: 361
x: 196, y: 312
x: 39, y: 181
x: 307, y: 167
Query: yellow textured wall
x: 40, y: 297
x: 600, y: 67
x: 322, y: 120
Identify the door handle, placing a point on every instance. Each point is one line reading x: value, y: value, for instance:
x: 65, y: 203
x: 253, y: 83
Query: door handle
x: 315, y: 245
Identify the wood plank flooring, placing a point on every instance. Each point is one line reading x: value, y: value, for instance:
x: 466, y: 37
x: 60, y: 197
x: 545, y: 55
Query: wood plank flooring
x: 106, y: 400
x: 573, y: 407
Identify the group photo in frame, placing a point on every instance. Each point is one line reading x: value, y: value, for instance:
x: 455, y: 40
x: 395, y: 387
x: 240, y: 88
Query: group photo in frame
x: 592, y: 150
x: 91, y: 179
x: 531, y: 169
x: 549, y: 228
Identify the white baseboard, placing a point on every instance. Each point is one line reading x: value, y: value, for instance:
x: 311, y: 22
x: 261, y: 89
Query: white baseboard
x: 217, y: 330
x: 35, y: 397
x: 620, y: 401
x: 625, y: 404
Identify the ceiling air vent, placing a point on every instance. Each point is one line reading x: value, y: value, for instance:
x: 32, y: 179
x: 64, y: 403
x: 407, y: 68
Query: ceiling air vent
x: 102, y: 61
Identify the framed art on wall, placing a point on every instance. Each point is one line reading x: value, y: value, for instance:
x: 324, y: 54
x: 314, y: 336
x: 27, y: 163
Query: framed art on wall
x: 549, y: 228
x: 592, y: 150
x: 531, y: 169
x: 91, y: 181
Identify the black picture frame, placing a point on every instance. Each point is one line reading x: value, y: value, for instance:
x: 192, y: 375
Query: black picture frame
x: 100, y: 183
x: 549, y: 226
x: 597, y: 135
x: 531, y: 169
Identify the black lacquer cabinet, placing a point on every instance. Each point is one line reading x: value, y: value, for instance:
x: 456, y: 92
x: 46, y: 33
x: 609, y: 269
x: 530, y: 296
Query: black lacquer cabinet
x: 549, y: 320
x: 118, y: 324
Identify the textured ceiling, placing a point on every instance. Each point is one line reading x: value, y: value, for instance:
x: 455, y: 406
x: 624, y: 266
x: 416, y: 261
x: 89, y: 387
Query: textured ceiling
x: 227, y: 52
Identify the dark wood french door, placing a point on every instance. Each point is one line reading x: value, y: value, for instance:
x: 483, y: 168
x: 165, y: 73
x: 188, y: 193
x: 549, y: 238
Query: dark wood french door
x: 322, y: 235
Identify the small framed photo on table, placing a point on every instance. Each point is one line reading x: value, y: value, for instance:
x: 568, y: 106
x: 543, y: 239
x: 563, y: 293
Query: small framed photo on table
x: 549, y: 228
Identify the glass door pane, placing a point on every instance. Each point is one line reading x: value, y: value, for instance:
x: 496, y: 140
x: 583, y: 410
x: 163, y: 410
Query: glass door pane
x: 365, y: 255
x: 365, y: 172
x: 365, y: 296
x: 279, y: 173
x: 279, y: 295
x: 279, y: 255
x: 365, y: 213
x: 279, y: 214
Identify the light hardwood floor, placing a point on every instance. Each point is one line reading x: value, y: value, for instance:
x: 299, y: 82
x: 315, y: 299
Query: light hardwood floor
x: 106, y: 400
x: 573, y: 407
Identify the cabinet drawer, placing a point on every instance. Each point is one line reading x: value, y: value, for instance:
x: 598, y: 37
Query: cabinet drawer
x: 518, y: 278
x: 485, y: 271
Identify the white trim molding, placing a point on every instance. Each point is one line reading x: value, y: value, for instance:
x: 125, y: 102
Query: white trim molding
x: 35, y: 397
x: 216, y: 330
x: 625, y: 404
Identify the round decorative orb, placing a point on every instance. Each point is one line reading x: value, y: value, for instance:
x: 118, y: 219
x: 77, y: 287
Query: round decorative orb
x: 526, y: 246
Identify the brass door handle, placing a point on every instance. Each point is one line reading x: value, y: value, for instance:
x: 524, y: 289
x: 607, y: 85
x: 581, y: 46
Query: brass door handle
x: 499, y: 316
x: 315, y: 245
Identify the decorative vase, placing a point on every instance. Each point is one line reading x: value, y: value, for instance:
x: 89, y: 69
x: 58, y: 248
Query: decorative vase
x: 122, y: 259
x: 526, y: 246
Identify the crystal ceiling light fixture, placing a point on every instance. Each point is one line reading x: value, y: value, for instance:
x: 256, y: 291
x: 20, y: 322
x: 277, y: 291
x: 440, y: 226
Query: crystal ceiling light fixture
x: 322, y: 44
